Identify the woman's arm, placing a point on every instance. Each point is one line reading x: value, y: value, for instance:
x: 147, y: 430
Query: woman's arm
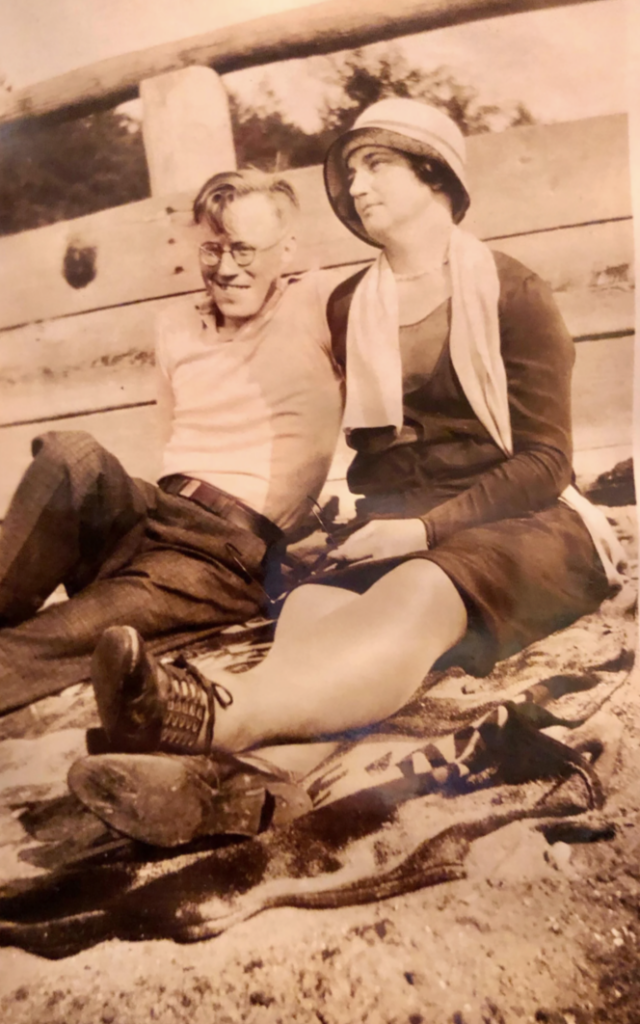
x: 538, y: 355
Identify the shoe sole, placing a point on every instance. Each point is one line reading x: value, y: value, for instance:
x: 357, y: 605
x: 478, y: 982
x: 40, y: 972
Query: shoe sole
x: 110, y: 666
x: 161, y: 801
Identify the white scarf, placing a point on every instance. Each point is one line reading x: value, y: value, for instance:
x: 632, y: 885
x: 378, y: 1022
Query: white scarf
x: 374, y: 365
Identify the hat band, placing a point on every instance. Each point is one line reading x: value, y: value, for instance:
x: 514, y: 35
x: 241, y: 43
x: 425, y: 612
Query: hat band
x: 424, y: 136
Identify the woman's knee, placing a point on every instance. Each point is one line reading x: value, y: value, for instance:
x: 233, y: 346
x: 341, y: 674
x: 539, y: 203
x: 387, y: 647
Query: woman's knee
x: 423, y: 578
x: 421, y: 586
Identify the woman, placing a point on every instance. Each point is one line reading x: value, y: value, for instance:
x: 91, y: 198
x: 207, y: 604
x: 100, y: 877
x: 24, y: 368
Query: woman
x: 470, y: 542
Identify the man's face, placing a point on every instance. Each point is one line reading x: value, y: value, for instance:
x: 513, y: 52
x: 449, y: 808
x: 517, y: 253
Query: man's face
x: 254, y: 233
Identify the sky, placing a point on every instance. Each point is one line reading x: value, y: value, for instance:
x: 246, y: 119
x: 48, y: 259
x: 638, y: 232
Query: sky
x: 43, y: 38
x: 563, y: 63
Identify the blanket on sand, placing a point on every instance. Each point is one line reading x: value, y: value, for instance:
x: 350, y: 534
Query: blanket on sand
x: 395, y: 808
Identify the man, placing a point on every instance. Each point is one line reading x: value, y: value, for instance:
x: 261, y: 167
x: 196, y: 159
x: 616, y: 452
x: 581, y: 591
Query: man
x: 250, y: 405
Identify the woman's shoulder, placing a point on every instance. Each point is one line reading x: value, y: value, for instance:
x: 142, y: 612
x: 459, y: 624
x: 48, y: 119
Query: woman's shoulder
x: 511, y: 272
x: 520, y: 284
x: 528, y: 309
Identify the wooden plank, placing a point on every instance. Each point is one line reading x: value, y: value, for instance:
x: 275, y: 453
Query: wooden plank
x: 602, y: 394
x: 602, y: 414
x: 313, y: 29
x: 144, y: 250
x: 78, y: 364
x: 131, y: 252
x: 549, y: 168
x: 186, y: 126
x: 102, y: 359
x: 590, y: 269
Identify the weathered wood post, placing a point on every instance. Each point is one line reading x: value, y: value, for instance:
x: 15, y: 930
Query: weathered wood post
x: 186, y: 128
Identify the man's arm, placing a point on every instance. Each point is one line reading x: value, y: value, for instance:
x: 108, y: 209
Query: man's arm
x: 164, y: 407
x: 163, y: 388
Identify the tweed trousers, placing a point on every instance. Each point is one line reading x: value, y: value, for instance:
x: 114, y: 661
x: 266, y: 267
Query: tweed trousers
x: 126, y: 552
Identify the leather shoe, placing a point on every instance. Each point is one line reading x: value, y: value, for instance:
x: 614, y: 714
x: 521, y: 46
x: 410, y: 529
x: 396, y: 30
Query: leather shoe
x: 168, y: 800
x: 146, y: 705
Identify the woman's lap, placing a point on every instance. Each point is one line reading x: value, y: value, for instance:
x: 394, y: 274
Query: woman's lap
x: 521, y: 580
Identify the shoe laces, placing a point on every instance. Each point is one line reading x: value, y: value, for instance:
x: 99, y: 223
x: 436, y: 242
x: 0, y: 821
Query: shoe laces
x: 190, y: 703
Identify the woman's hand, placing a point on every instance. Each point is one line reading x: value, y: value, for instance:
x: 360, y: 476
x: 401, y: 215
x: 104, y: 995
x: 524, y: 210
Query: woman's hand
x: 382, y: 538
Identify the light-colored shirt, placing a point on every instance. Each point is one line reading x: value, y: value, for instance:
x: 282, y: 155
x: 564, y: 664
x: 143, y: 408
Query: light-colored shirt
x: 257, y: 414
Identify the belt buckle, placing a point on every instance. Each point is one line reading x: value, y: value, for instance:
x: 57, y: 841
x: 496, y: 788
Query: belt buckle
x: 189, y: 489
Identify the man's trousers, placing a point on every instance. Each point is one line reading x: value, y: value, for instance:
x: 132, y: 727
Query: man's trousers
x: 126, y: 552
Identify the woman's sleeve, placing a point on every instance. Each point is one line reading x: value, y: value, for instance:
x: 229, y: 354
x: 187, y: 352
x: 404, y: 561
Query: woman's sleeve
x: 538, y: 355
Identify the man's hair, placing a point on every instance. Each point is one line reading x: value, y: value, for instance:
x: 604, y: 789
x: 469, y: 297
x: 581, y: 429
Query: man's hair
x: 223, y: 189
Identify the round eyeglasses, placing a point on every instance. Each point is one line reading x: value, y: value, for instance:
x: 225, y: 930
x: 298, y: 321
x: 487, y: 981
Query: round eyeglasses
x: 211, y: 253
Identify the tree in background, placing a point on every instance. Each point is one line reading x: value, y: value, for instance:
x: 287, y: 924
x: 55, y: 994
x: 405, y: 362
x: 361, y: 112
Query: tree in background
x: 267, y: 137
x: 51, y: 172
x: 55, y: 172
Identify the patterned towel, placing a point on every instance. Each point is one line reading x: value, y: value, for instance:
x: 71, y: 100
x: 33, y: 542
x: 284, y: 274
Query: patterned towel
x: 394, y: 810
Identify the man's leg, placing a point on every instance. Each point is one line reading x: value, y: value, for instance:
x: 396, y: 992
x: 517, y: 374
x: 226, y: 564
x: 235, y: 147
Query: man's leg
x: 75, y: 514
x: 72, y: 510
x: 177, y: 572
x: 53, y: 649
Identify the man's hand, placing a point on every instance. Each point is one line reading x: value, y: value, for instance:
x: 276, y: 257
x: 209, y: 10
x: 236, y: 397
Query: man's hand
x: 382, y: 538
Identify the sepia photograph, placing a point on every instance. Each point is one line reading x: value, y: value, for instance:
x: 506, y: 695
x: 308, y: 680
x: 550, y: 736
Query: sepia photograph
x: 318, y: 527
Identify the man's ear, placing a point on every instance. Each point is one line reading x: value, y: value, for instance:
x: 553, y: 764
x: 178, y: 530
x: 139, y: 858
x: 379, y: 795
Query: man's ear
x: 289, y: 250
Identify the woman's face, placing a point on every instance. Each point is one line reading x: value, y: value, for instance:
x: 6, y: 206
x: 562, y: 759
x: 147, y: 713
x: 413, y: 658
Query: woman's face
x: 386, y: 192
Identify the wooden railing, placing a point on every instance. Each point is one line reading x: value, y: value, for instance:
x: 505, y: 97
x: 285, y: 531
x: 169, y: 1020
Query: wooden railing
x: 302, y: 32
x: 79, y: 297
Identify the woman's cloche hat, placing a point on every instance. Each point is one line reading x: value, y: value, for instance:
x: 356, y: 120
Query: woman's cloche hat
x: 409, y: 126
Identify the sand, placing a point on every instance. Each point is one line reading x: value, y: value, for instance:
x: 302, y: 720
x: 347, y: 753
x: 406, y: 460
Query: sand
x: 536, y: 932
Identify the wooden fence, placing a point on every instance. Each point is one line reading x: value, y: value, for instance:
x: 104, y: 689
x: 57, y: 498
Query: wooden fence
x: 79, y: 297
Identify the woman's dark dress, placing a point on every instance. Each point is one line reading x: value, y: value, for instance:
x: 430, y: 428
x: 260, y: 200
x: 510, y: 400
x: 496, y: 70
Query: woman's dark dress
x: 523, y: 562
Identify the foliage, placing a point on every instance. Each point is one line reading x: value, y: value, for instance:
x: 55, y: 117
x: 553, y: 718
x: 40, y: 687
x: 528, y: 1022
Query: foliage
x: 267, y: 138
x: 55, y: 172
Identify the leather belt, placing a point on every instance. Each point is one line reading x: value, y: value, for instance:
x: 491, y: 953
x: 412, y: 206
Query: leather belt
x: 223, y: 505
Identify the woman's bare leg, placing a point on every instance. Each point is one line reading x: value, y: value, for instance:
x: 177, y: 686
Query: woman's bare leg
x: 342, y: 661
x: 306, y: 606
